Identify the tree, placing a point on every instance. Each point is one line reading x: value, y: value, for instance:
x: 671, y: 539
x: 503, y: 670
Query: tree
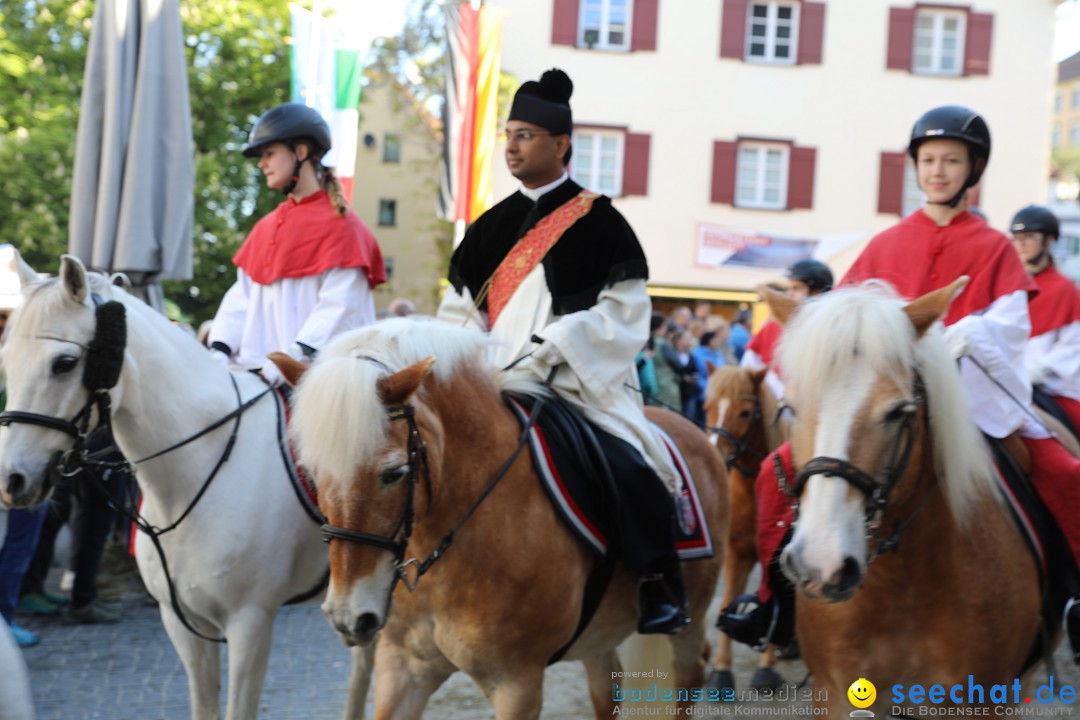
x: 1066, y: 163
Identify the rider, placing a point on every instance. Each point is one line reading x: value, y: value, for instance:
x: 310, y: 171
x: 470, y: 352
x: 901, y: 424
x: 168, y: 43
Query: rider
x: 556, y: 262
x: 307, y: 270
x: 1052, y: 353
x: 986, y: 328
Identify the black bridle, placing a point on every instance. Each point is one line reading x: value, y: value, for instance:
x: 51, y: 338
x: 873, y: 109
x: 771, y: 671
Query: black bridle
x: 876, y: 491
x: 741, y: 445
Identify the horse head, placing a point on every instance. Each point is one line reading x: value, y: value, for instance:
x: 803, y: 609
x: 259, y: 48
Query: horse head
x: 732, y: 407
x: 58, y: 351
x: 859, y: 368
x: 365, y: 428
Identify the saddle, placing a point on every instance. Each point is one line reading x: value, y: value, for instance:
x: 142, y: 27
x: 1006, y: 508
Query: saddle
x: 1046, y: 402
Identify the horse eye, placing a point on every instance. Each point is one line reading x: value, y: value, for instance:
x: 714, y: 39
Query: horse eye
x: 393, y: 475
x: 64, y: 364
x: 900, y: 412
x: 745, y: 414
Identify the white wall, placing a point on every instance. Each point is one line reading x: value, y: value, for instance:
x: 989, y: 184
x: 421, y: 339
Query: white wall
x: 850, y: 108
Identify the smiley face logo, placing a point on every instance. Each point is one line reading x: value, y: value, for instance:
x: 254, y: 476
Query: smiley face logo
x: 862, y: 693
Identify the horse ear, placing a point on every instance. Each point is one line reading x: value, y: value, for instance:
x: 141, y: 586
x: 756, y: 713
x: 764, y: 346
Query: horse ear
x: 25, y: 273
x: 120, y: 280
x: 73, y: 278
x: 291, y: 368
x: 709, y: 367
x: 928, y: 309
x: 782, y: 306
x: 399, y: 387
x: 756, y: 376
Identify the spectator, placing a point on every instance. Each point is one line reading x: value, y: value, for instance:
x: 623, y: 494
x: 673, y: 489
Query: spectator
x: 400, y: 307
x: 667, y: 383
x: 740, y: 333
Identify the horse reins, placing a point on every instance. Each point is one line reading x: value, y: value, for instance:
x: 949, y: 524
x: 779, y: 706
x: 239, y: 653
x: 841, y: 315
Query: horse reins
x: 876, y: 492
x: 740, y: 445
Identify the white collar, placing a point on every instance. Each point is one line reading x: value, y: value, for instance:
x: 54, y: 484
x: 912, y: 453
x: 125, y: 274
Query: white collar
x: 535, y: 194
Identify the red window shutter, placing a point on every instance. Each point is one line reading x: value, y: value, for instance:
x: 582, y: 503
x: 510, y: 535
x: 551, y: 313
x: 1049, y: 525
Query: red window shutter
x: 811, y: 32
x: 643, y: 36
x: 891, y: 183
x: 636, y: 164
x: 564, y: 22
x: 800, y: 193
x: 901, y: 38
x: 724, y: 159
x: 980, y: 29
x: 733, y: 29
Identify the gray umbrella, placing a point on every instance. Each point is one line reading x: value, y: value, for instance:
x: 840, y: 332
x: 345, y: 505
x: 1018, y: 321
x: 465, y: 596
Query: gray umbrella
x: 132, y: 196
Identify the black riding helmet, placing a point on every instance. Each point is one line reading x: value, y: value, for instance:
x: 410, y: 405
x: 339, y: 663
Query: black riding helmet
x: 290, y: 121
x: 958, y: 123
x: 817, y: 275
x: 1035, y: 218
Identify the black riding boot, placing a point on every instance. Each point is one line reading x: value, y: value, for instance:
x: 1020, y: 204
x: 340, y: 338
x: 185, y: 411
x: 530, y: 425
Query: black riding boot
x: 662, y: 606
x: 1072, y: 626
x: 755, y: 623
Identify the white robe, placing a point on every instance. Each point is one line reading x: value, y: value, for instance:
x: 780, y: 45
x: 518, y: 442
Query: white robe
x: 598, y: 344
x: 1058, y: 351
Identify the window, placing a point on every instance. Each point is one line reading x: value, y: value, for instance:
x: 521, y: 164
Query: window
x: 387, y: 213
x: 1057, y: 102
x: 772, y: 28
x: 914, y: 198
x: 939, y: 42
x: 1074, y: 134
x: 605, y: 24
x: 761, y: 176
x: 597, y: 162
x: 1055, y: 137
x: 391, y: 148
x: 1076, y: 98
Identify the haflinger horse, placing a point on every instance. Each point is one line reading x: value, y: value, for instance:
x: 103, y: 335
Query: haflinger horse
x: 908, y: 565
x: 241, y: 544
x: 403, y: 447
x: 742, y: 421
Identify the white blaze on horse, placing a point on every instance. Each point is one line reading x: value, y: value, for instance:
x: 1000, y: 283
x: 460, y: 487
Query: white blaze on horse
x: 884, y: 450
x: 243, y: 544
x: 403, y: 446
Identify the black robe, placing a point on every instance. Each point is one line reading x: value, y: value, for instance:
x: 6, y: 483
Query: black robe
x: 597, y: 251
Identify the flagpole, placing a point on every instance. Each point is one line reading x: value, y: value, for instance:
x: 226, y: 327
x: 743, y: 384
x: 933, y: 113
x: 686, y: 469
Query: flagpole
x: 459, y: 225
x: 313, y: 67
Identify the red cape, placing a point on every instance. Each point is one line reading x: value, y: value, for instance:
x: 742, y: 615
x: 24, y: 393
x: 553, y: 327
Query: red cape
x: 1056, y: 305
x: 298, y: 239
x: 764, y: 341
x: 916, y: 256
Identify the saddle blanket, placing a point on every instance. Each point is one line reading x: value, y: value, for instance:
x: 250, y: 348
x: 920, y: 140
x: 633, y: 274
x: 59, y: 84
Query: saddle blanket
x: 583, y: 500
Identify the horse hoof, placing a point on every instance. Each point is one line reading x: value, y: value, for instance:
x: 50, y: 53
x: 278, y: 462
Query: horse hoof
x: 766, y: 679
x: 720, y: 680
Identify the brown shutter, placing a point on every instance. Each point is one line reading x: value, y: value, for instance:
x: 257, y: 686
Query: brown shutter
x: 891, y: 183
x: 980, y: 28
x: 901, y: 38
x: 564, y: 22
x: 733, y: 29
x: 724, y: 159
x: 636, y: 164
x: 643, y: 35
x: 811, y: 32
x: 800, y: 193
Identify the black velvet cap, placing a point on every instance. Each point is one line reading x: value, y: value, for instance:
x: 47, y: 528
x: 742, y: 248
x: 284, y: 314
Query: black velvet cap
x: 545, y: 103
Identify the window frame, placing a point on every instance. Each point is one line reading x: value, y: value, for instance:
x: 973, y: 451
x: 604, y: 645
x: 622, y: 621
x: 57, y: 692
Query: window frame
x: 390, y: 203
x: 386, y: 145
x: 760, y: 185
x: 605, y: 27
x: 592, y: 182
x: 937, y: 41
x: 770, y: 38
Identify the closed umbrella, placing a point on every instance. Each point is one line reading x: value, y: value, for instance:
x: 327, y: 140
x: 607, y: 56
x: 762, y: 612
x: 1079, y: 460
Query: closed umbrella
x: 132, y: 196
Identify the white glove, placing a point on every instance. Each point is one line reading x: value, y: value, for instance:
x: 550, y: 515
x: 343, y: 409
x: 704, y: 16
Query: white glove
x: 222, y: 357
x: 1038, y: 373
x: 270, y: 371
x: 958, y: 342
x: 548, y: 354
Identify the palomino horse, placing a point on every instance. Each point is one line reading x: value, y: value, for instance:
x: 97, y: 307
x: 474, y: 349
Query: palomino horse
x: 404, y: 449
x: 741, y: 419
x: 242, y: 544
x: 909, y: 567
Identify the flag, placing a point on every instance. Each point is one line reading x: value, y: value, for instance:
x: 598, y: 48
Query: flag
x: 326, y: 74
x: 473, y: 37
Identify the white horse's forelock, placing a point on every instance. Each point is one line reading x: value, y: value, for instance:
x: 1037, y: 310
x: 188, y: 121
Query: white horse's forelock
x: 834, y: 334
x: 339, y: 422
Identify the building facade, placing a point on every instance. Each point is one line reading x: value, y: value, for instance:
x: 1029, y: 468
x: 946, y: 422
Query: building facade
x: 396, y: 193
x: 740, y: 135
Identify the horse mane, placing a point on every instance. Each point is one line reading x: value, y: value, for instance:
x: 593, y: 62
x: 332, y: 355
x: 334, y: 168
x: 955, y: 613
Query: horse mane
x: 777, y: 424
x: 844, y: 331
x: 339, y: 419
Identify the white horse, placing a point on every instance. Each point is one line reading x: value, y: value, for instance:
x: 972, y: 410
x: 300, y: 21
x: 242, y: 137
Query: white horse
x: 247, y: 545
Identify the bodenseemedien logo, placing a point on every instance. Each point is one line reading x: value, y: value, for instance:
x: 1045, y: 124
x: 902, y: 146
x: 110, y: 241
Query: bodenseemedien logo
x: 862, y: 694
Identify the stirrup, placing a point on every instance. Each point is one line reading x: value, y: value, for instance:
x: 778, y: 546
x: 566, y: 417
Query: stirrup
x: 744, y: 618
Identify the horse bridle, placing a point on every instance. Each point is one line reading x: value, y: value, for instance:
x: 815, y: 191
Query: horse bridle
x: 877, y: 492
x: 740, y: 445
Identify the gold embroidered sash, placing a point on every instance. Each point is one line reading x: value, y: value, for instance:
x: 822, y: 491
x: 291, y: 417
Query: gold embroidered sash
x: 531, y: 249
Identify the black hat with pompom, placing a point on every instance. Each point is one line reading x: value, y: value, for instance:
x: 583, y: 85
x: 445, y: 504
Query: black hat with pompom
x: 546, y: 103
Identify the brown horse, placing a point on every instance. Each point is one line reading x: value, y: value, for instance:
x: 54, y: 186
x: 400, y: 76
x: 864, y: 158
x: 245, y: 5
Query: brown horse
x: 741, y: 419
x: 404, y: 449
x: 908, y: 565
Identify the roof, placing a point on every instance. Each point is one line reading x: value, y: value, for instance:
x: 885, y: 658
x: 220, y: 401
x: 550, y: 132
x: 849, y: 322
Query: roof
x: 1069, y: 68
